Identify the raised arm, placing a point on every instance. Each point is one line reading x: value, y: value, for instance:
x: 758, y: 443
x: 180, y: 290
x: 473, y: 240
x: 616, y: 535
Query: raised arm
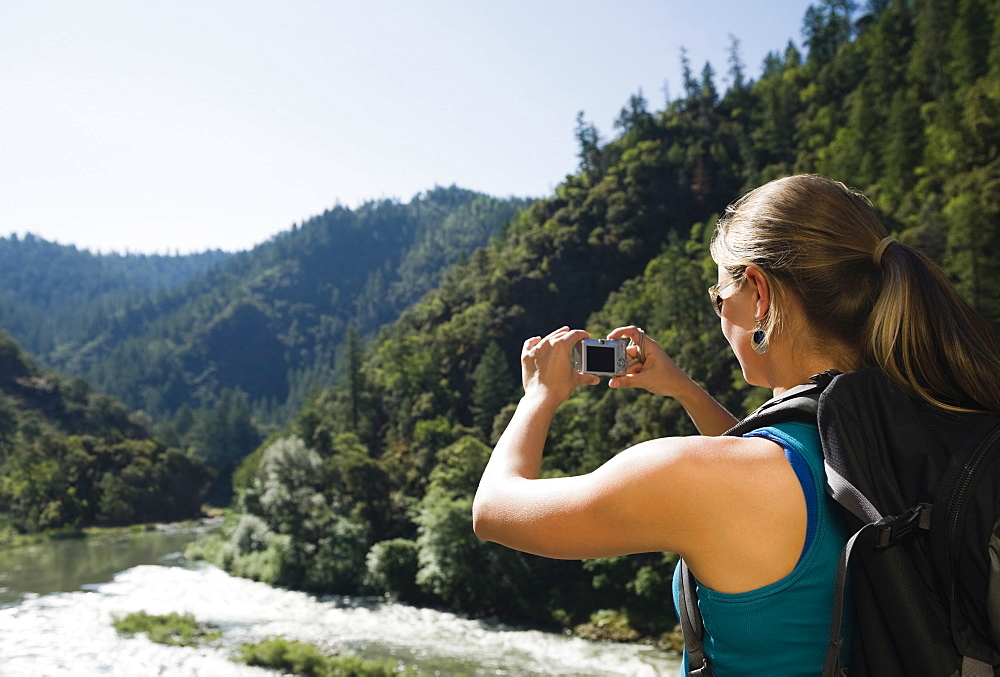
x: 660, y: 375
x: 704, y: 498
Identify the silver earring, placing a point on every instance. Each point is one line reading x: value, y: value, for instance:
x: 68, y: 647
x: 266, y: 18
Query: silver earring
x: 758, y: 341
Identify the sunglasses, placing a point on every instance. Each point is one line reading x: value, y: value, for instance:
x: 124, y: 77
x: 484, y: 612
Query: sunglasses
x: 713, y: 293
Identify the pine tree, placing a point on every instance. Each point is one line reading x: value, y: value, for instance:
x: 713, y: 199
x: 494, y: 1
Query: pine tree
x: 352, y: 367
x: 493, y: 387
x: 589, y: 141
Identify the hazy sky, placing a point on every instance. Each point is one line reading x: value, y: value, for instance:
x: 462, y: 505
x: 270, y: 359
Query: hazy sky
x: 184, y: 125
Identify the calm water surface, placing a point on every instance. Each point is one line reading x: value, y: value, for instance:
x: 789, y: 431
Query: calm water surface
x: 70, y: 564
x: 58, y: 600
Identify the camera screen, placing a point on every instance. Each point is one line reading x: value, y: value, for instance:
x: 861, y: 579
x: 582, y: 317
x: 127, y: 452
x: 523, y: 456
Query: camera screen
x: 601, y: 358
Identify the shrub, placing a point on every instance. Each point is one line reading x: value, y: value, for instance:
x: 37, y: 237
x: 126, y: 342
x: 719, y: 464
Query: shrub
x: 391, y: 567
x: 607, y: 624
x: 173, y: 628
x: 267, y: 566
x: 301, y: 658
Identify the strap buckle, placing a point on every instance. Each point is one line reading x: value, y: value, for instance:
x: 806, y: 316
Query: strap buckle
x: 888, y: 530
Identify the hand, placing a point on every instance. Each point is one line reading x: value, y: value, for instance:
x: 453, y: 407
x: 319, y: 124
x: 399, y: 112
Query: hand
x: 546, y: 370
x: 654, y: 371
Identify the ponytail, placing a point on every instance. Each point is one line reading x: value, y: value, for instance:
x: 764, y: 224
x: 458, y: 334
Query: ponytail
x: 927, y: 339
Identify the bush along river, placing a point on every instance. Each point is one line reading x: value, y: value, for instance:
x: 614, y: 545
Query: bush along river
x: 60, y: 598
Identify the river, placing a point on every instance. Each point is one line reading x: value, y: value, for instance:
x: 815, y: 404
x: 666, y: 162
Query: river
x: 58, y: 599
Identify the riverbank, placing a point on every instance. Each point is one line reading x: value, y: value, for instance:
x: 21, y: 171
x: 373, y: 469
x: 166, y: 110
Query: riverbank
x: 10, y: 538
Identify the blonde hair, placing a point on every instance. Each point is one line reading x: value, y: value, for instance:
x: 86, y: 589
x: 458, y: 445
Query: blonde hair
x: 885, y: 303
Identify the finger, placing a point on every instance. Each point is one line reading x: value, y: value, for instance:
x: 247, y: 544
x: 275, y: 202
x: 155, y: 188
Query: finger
x: 552, y: 335
x: 636, y: 349
x: 636, y: 334
x: 635, y: 366
x: 529, y: 344
x: 564, y: 335
x: 573, y: 335
x: 631, y: 332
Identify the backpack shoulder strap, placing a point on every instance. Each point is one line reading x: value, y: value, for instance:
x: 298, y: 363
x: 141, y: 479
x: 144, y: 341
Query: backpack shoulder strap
x: 691, y: 624
x: 798, y: 404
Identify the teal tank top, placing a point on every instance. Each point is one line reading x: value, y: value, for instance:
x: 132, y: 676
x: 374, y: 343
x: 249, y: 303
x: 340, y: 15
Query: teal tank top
x: 782, y: 628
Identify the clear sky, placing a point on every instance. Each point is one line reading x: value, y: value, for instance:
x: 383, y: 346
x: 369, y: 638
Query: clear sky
x: 185, y: 125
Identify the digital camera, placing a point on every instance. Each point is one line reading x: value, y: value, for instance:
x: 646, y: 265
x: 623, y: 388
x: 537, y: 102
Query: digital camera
x: 603, y: 357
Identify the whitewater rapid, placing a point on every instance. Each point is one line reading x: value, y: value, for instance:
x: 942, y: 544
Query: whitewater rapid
x: 71, y: 633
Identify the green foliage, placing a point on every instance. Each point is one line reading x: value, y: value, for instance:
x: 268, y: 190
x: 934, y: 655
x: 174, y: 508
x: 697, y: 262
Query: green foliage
x: 52, y: 294
x: 430, y: 436
x: 248, y: 549
x: 607, y: 624
x: 459, y: 467
x: 363, y: 483
x: 493, y: 387
x: 303, y: 520
x: 454, y: 563
x: 70, y: 457
x: 289, y: 656
x: 300, y: 658
x: 222, y: 437
x: 307, y: 521
x: 173, y: 629
x: 639, y: 587
x: 391, y: 568
x: 268, y: 322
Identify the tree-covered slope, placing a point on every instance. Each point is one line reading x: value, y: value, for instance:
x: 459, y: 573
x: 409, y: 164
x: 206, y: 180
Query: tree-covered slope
x: 53, y: 296
x: 71, y: 457
x: 271, y: 321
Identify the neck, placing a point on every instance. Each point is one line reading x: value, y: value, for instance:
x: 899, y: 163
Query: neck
x: 790, y: 368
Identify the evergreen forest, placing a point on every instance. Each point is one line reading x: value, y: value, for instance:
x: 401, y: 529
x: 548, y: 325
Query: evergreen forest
x: 351, y: 375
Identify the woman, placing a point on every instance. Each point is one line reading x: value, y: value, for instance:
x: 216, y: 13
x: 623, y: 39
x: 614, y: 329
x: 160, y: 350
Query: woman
x: 808, y: 281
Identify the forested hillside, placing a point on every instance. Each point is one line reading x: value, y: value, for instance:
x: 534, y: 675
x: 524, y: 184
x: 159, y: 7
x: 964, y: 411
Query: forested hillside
x: 70, y: 457
x: 55, y: 296
x: 371, y: 487
x: 216, y: 347
x: 272, y: 320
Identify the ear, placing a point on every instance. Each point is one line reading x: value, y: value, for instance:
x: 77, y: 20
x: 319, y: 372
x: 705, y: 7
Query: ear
x: 763, y: 289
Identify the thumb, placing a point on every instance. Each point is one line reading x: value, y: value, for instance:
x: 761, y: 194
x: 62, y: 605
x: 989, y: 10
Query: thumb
x: 626, y: 381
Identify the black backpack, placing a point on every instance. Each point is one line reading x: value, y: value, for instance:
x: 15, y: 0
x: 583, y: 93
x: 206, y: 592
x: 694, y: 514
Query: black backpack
x: 922, y: 492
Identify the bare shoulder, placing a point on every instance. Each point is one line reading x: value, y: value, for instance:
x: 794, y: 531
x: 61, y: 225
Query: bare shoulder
x: 717, y: 461
x: 714, y: 500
